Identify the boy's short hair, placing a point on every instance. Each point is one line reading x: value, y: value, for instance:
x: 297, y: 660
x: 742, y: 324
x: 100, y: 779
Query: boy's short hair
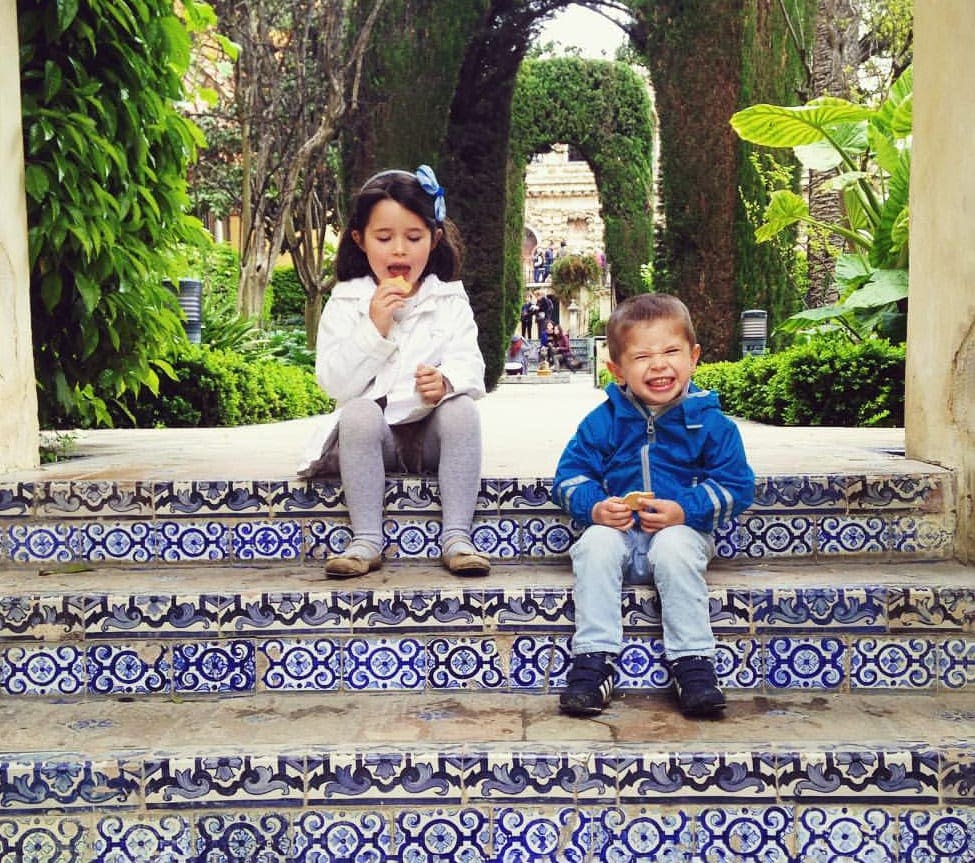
x: 645, y: 307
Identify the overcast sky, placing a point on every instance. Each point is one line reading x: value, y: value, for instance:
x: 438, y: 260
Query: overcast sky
x: 590, y: 32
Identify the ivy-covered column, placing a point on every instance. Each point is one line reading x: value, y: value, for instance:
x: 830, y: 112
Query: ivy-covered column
x: 18, y: 392
x: 707, y: 60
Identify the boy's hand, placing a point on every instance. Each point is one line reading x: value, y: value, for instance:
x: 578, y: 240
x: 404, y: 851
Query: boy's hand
x: 430, y: 384
x: 613, y: 512
x: 660, y: 514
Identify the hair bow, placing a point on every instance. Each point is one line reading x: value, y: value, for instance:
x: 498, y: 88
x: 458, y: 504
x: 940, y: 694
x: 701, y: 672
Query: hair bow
x: 428, y: 182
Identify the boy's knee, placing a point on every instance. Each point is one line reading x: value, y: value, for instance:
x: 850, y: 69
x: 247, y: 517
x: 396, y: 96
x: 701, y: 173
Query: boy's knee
x: 599, y: 542
x: 680, y: 543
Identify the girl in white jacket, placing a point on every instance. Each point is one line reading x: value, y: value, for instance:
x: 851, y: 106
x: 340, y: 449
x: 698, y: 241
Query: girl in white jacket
x: 397, y: 350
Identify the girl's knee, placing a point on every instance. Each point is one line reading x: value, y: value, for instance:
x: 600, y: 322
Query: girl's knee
x: 360, y: 417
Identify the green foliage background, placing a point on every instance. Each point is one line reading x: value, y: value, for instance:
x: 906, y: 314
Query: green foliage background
x: 107, y: 156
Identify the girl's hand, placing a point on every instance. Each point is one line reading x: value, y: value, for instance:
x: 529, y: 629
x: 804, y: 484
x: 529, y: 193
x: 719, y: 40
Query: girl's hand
x: 613, y: 512
x: 430, y: 384
x: 660, y: 514
x: 388, y: 298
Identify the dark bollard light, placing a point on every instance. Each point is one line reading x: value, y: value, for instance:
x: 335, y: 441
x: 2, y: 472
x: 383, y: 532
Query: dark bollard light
x: 754, y: 332
x: 191, y: 302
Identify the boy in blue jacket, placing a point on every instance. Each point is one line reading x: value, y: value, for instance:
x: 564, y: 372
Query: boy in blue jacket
x: 653, y: 471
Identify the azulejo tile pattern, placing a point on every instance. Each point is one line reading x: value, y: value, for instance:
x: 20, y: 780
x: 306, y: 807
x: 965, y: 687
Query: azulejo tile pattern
x: 404, y: 806
x: 881, y: 517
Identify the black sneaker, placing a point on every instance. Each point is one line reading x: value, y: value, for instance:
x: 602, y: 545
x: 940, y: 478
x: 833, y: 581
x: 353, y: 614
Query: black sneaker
x: 590, y: 684
x: 697, y: 686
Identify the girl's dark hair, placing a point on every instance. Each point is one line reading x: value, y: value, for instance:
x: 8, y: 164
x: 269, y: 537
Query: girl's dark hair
x: 404, y: 188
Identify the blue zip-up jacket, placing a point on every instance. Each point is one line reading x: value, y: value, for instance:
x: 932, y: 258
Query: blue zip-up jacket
x: 690, y: 452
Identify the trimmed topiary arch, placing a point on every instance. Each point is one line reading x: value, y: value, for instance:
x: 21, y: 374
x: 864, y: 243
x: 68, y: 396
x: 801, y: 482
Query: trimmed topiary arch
x: 603, y: 109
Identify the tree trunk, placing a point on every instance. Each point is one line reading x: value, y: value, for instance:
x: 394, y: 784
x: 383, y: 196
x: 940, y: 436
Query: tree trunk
x: 835, y: 56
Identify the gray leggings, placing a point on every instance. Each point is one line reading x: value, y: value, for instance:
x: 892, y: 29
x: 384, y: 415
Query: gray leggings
x: 451, y: 446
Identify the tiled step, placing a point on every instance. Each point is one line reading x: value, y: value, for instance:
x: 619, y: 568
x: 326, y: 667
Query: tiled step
x: 879, y: 515
x: 248, y: 630
x: 406, y: 777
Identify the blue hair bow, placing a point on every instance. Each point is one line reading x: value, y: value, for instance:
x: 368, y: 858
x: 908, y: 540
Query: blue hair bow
x: 428, y: 182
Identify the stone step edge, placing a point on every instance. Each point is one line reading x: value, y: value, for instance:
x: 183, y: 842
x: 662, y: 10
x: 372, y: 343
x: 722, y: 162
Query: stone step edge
x: 692, y: 766
x: 929, y: 491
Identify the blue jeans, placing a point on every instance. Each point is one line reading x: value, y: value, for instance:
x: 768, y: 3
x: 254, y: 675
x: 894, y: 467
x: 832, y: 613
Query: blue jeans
x: 673, y: 559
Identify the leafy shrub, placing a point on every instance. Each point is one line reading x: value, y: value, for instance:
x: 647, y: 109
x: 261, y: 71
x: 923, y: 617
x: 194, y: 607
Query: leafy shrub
x: 288, y: 295
x: 573, y: 272
x: 221, y: 388
x: 824, y: 382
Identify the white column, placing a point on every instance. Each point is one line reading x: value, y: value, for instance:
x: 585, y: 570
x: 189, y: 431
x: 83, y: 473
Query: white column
x: 940, y: 409
x: 18, y: 396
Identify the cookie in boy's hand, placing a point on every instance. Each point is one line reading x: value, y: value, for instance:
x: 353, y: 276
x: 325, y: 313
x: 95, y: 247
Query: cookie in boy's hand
x: 633, y: 498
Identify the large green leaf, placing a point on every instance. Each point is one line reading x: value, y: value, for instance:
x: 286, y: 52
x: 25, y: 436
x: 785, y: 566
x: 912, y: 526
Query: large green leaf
x: 884, y: 287
x: 785, y: 208
x: 777, y: 126
x: 846, y: 143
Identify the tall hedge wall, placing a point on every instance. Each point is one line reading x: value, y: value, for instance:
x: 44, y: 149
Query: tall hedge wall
x: 603, y: 108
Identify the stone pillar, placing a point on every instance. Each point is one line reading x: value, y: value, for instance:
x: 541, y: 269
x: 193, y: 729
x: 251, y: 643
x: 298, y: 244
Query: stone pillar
x: 18, y: 396
x: 940, y: 408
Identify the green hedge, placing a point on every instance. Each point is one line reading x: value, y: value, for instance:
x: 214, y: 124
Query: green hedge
x: 220, y: 388
x: 820, y: 383
x: 287, y: 295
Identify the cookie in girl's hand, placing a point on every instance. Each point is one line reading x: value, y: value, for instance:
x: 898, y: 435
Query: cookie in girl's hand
x: 633, y: 499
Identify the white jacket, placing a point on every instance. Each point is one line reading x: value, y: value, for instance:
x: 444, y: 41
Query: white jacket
x: 435, y: 328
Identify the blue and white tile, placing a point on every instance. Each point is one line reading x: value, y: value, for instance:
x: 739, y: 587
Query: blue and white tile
x: 640, y: 665
x: 922, y: 607
x: 860, y: 776
x: 292, y: 664
x: 46, y: 839
x: 285, y: 612
x: 958, y: 775
x: 326, y: 537
x: 851, y: 535
x: 498, y: 538
x: 373, y: 664
x: 45, y: 786
x: 631, y: 834
x: 49, y: 669
x: 532, y: 495
x: 413, y: 778
x: 278, y: 539
x: 213, y: 666
x: 237, y: 780
x: 118, y: 541
x: 142, y: 838
x: 893, y: 663
x: 254, y: 837
x: 461, y: 835
x: 767, y: 537
x: 797, y: 493
x: 925, y: 538
x: 312, y: 497
x: 543, y: 835
x: 860, y: 609
x: 134, y: 616
x: 956, y: 663
x: 945, y: 835
x: 186, y: 541
x: 42, y: 542
x: 523, y: 609
x: 33, y: 618
x: 746, y: 833
x: 538, y: 662
x: 412, y: 539
x: 139, y: 668
x: 79, y: 498
x: 805, y: 663
x: 464, y: 663
x: 829, y: 834
x: 334, y: 834
x: 217, y: 497
x: 16, y: 499
x: 549, y: 536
